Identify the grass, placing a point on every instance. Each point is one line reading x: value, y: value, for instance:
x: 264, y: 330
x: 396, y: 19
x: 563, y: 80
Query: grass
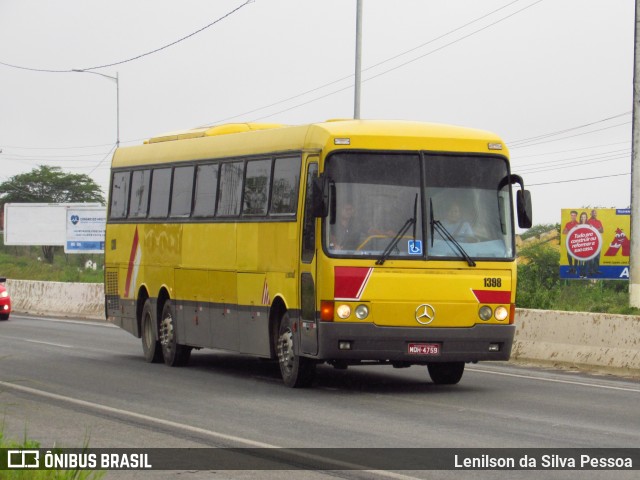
x: 540, y: 287
x: 599, y: 296
x: 27, y: 263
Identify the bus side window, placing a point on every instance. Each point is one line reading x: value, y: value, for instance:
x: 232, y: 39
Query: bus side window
x: 206, y: 191
x: 139, y: 193
x: 160, y: 188
x: 286, y: 179
x: 256, y: 187
x: 182, y: 191
x: 308, y: 229
x: 120, y: 194
x: 231, y: 175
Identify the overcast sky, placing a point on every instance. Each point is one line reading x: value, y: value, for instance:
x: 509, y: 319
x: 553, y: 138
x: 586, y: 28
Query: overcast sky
x: 524, y: 69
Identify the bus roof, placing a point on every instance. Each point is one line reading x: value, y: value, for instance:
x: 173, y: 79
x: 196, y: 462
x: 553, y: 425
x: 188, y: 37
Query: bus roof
x: 241, y: 139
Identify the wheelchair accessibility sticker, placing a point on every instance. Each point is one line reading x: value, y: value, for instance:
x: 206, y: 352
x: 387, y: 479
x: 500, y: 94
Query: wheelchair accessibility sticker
x: 415, y: 247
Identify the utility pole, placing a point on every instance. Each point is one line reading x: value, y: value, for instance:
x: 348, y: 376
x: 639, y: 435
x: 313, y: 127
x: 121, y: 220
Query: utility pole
x: 115, y: 79
x: 634, y: 258
x: 358, y: 81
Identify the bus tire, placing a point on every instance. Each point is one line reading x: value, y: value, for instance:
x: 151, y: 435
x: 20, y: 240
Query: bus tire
x: 150, y: 344
x: 448, y: 373
x: 296, y: 371
x: 175, y: 355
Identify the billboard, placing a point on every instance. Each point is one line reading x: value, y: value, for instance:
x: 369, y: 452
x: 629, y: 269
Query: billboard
x: 78, y: 227
x: 594, y: 243
x: 85, y: 230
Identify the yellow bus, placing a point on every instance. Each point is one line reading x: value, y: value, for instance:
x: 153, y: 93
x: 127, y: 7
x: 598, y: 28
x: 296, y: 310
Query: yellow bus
x: 348, y: 242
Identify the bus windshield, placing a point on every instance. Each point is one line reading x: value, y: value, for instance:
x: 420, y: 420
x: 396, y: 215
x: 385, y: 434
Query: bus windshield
x: 384, y: 201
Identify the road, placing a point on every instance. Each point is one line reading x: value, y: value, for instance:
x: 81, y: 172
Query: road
x: 71, y: 383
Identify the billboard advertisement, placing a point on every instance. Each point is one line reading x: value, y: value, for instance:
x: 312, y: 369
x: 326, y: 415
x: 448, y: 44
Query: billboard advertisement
x: 85, y: 230
x: 594, y: 243
x: 79, y: 227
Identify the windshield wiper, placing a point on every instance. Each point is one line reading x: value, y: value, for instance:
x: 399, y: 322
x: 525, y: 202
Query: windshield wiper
x: 411, y: 221
x: 444, y: 233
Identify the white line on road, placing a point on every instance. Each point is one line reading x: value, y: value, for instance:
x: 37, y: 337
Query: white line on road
x: 554, y: 380
x: 51, y: 344
x: 95, y: 323
x: 190, y: 429
x: 136, y: 416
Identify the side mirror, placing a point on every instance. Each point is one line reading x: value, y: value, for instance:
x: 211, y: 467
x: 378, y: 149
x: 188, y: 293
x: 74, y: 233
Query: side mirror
x: 523, y: 205
x: 320, y: 196
x: 523, y: 201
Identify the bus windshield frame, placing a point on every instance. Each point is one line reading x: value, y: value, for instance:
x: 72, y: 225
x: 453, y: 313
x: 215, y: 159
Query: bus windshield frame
x: 418, y: 206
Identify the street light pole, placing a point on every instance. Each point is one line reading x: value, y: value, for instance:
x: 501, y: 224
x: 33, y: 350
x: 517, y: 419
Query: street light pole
x: 358, y: 80
x: 634, y: 264
x: 117, y: 80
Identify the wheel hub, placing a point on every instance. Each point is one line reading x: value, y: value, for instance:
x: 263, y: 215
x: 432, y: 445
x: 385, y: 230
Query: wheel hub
x: 166, y: 331
x: 285, y: 350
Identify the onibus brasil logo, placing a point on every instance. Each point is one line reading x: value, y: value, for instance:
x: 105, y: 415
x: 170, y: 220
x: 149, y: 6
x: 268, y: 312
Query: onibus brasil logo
x: 70, y: 459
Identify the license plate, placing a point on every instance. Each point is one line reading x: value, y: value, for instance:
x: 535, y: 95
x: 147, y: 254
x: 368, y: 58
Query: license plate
x: 424, y: 349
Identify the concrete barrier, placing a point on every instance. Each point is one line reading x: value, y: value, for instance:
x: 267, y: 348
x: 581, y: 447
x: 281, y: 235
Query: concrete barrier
x: 57, y: 298
x: 594, y: 341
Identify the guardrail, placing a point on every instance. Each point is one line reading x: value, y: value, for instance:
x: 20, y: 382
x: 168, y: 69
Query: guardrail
x: 595, y: 341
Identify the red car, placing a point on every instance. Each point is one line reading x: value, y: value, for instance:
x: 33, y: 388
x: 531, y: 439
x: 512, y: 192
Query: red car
x: 5, y: 301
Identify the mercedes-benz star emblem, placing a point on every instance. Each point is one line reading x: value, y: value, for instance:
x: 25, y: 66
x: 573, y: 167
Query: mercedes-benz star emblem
x: 425, y: 314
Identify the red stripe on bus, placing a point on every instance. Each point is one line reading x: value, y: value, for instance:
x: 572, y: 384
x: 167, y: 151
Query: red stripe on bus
x: 132, y: 257
x: 350, y: 282
x: 492, y: 296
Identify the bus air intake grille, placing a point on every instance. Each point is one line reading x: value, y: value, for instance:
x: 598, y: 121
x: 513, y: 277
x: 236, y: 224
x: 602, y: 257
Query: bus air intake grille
x: 111, y: 290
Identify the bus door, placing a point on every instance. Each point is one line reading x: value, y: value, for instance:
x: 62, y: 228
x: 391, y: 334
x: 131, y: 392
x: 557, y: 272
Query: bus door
x: 308, y: 320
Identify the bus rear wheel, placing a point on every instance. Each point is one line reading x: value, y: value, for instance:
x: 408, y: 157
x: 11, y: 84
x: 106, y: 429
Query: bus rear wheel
x: 175, y: 355
x: 448, y: 373
x: 296, y: 371
x: 150, y: 345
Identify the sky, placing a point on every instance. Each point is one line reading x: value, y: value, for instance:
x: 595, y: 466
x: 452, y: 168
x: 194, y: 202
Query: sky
x: 553, y: 78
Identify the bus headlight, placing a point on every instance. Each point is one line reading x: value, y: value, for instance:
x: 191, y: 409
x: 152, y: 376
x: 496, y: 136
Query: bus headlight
x: 362, y: 312
x: 502, y: 313
x: 343, y: 311
x: 485, y: 313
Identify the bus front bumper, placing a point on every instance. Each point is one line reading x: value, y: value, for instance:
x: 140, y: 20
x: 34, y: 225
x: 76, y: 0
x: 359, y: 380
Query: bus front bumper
x: 361, y: 342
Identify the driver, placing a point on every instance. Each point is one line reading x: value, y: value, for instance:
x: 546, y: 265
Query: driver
x: 455, y: 224
x: 345, y: 235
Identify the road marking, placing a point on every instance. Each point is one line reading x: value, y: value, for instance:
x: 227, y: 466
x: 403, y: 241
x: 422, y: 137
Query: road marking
x: 554, y: 380
x: 95, y: 323
x: 194, y: 430
x: 61, y: 345
x: 47, y: 343
x: 133, y: 415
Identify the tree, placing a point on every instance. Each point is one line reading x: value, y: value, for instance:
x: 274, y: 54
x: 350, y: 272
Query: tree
x: 538, y: 276
x: 537, y: 230
x: 50, y: 185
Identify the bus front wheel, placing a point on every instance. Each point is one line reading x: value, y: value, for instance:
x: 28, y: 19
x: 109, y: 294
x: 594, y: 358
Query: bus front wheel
x: 448, y: 373
x: 175, y: 355
x: 150, y: 345
x: 296, y: 371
